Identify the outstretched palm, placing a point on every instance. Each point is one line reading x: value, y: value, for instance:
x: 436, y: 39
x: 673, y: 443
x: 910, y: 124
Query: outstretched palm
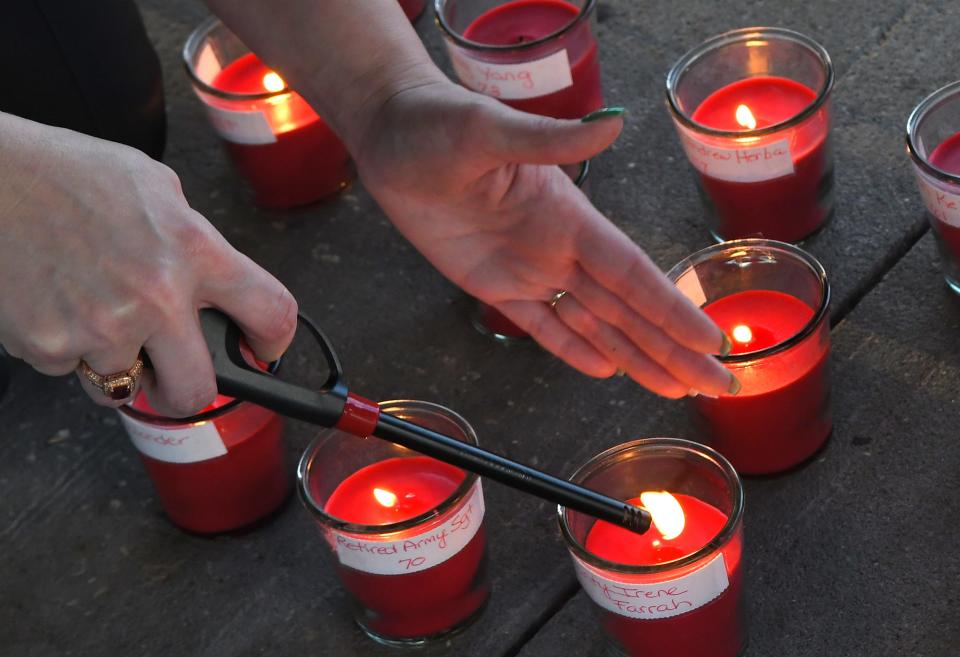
x: 472, y: 184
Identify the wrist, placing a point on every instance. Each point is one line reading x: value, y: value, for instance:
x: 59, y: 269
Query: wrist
x: 362, y: 101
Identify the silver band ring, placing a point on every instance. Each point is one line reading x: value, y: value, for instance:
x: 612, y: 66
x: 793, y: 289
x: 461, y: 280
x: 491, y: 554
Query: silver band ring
x: 555, y: 299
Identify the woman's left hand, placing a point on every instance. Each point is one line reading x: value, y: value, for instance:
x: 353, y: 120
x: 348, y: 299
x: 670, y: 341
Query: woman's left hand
x: 473, y: 185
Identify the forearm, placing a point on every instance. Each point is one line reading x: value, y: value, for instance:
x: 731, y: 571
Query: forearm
x: 346, y: 57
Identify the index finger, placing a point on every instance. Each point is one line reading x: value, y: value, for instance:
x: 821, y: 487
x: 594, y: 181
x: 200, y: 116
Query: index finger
x: 261, y: 305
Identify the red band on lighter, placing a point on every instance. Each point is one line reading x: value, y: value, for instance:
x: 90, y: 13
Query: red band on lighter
x: 359, y: 416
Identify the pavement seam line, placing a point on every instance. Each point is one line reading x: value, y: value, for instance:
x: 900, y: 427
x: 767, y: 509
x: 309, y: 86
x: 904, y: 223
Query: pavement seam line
x: 896, y: 254
x: 885, y: 33
x: 548, y: 614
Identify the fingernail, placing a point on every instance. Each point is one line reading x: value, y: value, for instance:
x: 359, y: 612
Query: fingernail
x: 693, y: 394
x: 726, y: 347
x: 620, y: 372
x: 604, y: 113
x: 735, y: 386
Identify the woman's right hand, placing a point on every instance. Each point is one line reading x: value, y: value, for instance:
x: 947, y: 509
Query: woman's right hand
x: 101, y: 256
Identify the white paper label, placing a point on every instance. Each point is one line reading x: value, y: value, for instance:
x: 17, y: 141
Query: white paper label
x: 241, y: 127
x: 745, y: 164
x: 942, y: 204
x: 513, y: 81
x: 653, y: 601
x: 417, y: 552
x: 196, y: 442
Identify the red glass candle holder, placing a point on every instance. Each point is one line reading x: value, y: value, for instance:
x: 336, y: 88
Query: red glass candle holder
x: 404, y: 532
x: 771, y: 298
x: 539, y: 56
x: 281, y: 147
x: 933, y: 142
x: 216, y: 471
x: 413, y: 8
x: 752, y: 109
x: 674, y: 591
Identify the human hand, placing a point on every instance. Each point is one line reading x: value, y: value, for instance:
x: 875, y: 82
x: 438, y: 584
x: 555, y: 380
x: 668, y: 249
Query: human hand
x: 468, y: 181
x: 100, y: 256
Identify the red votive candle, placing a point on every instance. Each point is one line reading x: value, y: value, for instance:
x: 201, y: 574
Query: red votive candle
x: 413, y: 8
x: 675, y: 590
x: 219, y: 470
x: 538, y: 56
x: 405, y: 532
x: 771, y: 298
x: 752, y: 111
x: 280, y: 146
x: 490, y: 321
x: 933, y: 142
x: 947, y: 158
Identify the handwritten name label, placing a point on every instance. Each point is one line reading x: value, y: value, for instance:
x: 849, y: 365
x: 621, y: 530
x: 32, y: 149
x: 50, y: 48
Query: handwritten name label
x: 654, y: 601
x: 233, y: 125
x: 241, y: 127
x: 942, y: 204
x: 513, y: 81
x: 196, y: 442
x: 744, y: 164
x: 418, y: 552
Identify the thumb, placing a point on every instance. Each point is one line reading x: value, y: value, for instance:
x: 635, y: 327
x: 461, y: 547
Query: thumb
x: 531, y: 139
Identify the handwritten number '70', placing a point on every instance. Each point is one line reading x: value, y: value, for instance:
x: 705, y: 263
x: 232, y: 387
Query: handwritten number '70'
x: 412, y: 563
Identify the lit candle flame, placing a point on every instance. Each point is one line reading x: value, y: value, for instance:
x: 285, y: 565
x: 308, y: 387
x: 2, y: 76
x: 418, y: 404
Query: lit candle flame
x: 385, y: 497
x: 666, y: 512
x: 742, y: 334
x: 273, y: 82
x: 745, y: 117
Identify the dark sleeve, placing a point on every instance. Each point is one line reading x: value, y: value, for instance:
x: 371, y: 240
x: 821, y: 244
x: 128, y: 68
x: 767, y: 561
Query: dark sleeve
x: 86, y: 65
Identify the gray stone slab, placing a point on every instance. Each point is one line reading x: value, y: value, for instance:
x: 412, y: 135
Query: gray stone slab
x: 854, y: 554
x: 91, y: 566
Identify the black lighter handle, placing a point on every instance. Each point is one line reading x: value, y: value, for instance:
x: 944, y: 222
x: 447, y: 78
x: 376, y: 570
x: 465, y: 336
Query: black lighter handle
x: 326, y: 406
x: 511, y: 473
x: 237, y: 378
